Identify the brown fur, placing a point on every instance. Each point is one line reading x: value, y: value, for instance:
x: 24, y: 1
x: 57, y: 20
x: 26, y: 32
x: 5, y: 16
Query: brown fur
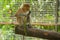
x: 22, y: 20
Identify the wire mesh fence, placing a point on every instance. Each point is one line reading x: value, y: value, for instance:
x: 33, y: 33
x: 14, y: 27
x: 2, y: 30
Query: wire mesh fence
x: 42, y: 11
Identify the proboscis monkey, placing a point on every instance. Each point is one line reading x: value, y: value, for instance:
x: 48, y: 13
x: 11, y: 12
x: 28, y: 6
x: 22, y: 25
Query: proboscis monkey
x: 23, y: 15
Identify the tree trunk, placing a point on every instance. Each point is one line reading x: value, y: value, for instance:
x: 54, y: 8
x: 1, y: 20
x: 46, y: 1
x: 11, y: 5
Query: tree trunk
x: 33, y: 32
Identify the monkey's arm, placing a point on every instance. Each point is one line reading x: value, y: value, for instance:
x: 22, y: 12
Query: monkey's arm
x: 29, y: 13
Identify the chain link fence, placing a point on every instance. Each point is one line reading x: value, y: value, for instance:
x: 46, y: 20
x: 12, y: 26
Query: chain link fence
x: 42, y: 11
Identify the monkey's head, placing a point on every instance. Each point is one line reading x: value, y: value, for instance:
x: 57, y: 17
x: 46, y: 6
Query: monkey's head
x: 26, y: 7
x: 23, y: 9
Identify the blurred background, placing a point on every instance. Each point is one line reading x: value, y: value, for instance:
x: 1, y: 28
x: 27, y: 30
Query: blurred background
x: 42, y: 11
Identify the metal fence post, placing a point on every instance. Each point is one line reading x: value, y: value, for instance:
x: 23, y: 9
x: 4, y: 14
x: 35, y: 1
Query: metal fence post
x: 56, y: 14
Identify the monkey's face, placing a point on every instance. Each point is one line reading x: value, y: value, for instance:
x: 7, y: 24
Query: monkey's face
x: 26, y: 7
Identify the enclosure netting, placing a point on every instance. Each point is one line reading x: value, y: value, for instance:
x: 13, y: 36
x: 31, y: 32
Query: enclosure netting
x: 42, y: 11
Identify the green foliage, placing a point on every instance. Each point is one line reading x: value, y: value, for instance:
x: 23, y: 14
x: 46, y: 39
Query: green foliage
x: 6, y: 32
x: 42, y: 11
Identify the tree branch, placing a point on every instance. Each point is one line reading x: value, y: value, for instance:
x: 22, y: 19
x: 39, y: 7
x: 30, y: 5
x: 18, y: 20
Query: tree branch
x: 33, y: 32
x: 34, y: 23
